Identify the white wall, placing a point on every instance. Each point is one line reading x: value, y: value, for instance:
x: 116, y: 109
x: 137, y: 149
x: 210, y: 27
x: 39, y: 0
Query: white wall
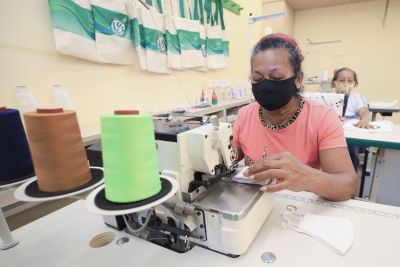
x: 28, y: 57
x: 372, y: 50
x: 283, y: 24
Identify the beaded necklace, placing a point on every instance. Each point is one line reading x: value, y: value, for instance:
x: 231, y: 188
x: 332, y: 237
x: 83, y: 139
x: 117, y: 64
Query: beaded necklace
x: 284, y: 124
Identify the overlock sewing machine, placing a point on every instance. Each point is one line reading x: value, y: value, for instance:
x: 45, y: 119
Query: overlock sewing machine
x: 208, y: 210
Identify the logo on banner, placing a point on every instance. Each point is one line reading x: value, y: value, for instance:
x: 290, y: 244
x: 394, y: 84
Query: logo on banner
x: 118, y: 27
x: 161, y: 43
x: 203, y: 50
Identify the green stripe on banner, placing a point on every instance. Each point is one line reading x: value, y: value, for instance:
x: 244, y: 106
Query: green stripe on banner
x: 225, y: 44
x: 155, y: 41
x: 110, y: 22
x: 214, y: 46
x: 159, y: 5
x: 207, y: 9
x: 189, y: 40
x: 173, y: 43
x: 70, y: 17
x: 182, y: 8
x: 137, y: 33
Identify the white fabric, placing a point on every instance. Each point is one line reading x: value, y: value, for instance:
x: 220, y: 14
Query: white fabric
x: 114, y: 49
x: 134, y: 12
x: 334, y: 232
x: 171, y: 12
x: 378, y: 126
x: 190, y: 58
x: 73, y: 44
x: 215, y: 61
x: 241, y: 178
x: 355, y: 102
x: 156, y: 58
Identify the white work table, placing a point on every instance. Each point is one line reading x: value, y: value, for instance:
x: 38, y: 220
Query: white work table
x: 386, y: 166
x: 62, y: 239
x: 384, y: 140
x: 223, y: 110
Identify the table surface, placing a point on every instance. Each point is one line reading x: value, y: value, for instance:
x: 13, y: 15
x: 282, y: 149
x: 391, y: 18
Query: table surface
x: 383, y: 140
x: 62, y: 239
x: 384, y: 109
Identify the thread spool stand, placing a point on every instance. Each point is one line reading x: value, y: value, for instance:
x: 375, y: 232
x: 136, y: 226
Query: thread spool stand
x: 97, y: 203
x: 5, y: 233
x: 29, y: 191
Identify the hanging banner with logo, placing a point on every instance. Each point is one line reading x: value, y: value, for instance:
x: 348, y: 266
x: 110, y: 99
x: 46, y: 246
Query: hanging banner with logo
x: 172, y: 11
x: 73, y: 28
x: 155, y: 39
x: 199, y: 15
x: 113, y: 32
x: 188, y: 30
x: 215, y: 36
x: 225, y: 40
x: 133, y: 8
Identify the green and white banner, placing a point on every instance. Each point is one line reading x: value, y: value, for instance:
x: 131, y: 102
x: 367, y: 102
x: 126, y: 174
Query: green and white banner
x: 166, y: 34
x: 113, y: 32
x: 137, y: 31
x: 188, y: 30
x: 73, y: 28
x: 172, y: 11
x: 215, y: 35
x: 155, y: 39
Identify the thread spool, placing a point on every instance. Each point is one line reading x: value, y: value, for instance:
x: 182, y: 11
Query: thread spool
x: 57, y: 149
x: 15, y: 157
x: 129, y: 157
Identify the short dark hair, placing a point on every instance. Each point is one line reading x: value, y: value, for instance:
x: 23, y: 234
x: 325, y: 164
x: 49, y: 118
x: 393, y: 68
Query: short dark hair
x: 276, y: 41
x: 336, y: 74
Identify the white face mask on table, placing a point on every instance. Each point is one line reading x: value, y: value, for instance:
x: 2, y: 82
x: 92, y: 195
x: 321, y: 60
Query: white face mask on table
x: 334, y: 232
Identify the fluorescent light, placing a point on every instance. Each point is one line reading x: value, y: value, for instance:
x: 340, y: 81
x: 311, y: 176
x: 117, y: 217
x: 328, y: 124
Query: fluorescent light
x: 309, y: 42
x: 252, y: 20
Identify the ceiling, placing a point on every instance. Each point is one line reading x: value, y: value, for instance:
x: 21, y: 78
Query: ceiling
x: 309, y: 4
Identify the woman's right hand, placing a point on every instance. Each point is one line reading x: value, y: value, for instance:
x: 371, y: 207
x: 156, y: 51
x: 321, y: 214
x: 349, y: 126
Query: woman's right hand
x: 290, y: 173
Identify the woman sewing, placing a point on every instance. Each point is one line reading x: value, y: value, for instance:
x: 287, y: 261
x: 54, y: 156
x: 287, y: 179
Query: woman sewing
x: 355, y: 105
x: 302, y: 141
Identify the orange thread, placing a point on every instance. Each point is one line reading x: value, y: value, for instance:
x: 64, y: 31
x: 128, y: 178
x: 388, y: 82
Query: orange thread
x: 57, y: 150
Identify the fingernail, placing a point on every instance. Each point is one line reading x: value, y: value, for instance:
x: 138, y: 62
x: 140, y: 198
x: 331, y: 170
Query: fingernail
x: 263, y: 188
x: 251, y: 177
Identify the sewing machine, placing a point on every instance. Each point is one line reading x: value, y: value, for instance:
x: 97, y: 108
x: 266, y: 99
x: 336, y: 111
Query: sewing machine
x: 208, y: 210
x: 336, y: 101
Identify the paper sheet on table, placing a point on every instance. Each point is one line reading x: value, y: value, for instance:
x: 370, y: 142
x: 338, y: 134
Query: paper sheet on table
x: 379, y: 126
x: 241, y: 178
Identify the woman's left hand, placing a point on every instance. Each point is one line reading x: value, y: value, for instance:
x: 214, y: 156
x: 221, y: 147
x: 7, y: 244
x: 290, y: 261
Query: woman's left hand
x: 363, y: 124
x: 288, y: 171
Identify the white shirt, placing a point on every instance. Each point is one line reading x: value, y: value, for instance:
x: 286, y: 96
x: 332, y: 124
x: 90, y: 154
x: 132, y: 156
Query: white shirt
x: 355, y: 102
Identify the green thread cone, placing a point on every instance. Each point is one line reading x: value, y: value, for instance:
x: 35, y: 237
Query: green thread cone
x: 129, y: 158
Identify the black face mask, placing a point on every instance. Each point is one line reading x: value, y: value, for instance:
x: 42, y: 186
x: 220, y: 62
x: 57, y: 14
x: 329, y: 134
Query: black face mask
x: 272, y: 95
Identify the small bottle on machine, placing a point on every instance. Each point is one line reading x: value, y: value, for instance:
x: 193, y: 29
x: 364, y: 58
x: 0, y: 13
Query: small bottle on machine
x: 61, y: 98
x: 214, y: 98
x: 25, y: 100
x: 202, y: 96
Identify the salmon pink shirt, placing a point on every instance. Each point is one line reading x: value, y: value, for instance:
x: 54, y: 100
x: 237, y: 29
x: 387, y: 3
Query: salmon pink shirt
x: 318, y: 127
